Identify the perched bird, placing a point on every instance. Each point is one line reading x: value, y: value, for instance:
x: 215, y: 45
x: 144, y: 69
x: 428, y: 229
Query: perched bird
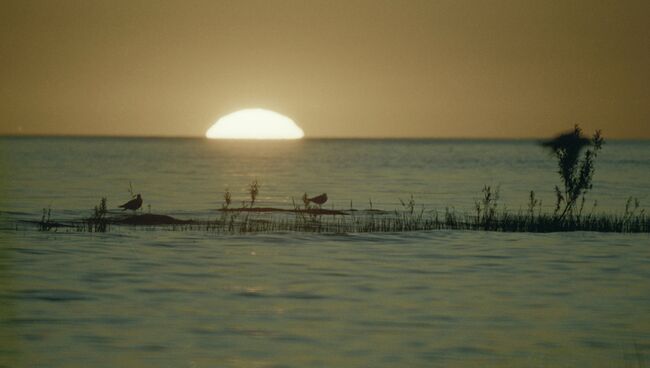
x: 319, y: 199
x: 571, y: 141
x: 133, y: 204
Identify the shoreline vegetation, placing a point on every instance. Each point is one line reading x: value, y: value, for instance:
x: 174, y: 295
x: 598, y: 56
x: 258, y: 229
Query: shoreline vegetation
x: 575, y: 156
x: 486, y: 217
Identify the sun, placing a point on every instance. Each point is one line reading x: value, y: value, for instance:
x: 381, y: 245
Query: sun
x: 254, y: 124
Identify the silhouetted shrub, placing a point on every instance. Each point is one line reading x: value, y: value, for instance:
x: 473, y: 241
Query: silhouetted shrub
x: 576, y: 173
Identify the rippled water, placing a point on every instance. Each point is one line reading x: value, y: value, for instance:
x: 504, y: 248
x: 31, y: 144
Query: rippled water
x: 188, y: 176
x: 141, y: 297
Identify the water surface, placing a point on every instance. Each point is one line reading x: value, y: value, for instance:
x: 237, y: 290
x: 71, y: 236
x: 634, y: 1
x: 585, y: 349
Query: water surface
x: 154, y: 297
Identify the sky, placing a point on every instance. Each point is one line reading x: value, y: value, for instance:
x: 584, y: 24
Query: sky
x: 377, y: 69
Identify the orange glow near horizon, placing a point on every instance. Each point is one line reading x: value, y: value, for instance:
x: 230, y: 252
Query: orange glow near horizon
x: 387, y: 69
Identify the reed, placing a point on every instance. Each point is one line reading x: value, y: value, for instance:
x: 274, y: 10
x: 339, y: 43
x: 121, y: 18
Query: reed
x: 499, y: 222
x: 576, y: 173
x: 410, y: 217
x: 46, y: 220
x: 98, y: 221
x: 487, y: 218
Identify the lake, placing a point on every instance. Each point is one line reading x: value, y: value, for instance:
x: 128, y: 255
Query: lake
x: 151, y: 297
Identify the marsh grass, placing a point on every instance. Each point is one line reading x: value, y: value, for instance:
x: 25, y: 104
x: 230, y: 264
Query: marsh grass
x: 367, y: 223
x: 235, y: 223
x: 576, y: 173
x: 98, y: 222
x: 410, y: 217
x: 46, y: 220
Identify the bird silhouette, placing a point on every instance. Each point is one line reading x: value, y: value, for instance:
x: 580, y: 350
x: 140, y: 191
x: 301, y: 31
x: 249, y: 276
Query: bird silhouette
x: 571, y: 141
x: 319, y: 199
x: 133, y: 204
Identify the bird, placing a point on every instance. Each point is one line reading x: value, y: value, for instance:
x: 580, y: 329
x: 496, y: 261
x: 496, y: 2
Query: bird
x: 319, y: 199
x: 133, y: 204
x: 567, y: 141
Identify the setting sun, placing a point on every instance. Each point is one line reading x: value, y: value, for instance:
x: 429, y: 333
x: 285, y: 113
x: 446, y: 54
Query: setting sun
x: 254, y: 124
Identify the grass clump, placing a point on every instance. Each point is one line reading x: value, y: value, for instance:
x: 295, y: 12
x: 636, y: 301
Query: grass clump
x: 253, y: 191
x: 486, y: 208
x: 576, y: 173
x: 98, y: 221
x: 46, y: 220
x: 410, y: 217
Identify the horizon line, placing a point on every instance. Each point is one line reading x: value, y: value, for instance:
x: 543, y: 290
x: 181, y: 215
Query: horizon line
x: 117, y: 136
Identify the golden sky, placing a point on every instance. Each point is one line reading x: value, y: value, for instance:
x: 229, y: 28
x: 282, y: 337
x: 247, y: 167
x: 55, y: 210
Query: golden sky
x: 338, y: 68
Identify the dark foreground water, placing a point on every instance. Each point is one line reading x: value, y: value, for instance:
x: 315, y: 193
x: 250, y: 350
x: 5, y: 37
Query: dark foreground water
x: 153, y: 297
